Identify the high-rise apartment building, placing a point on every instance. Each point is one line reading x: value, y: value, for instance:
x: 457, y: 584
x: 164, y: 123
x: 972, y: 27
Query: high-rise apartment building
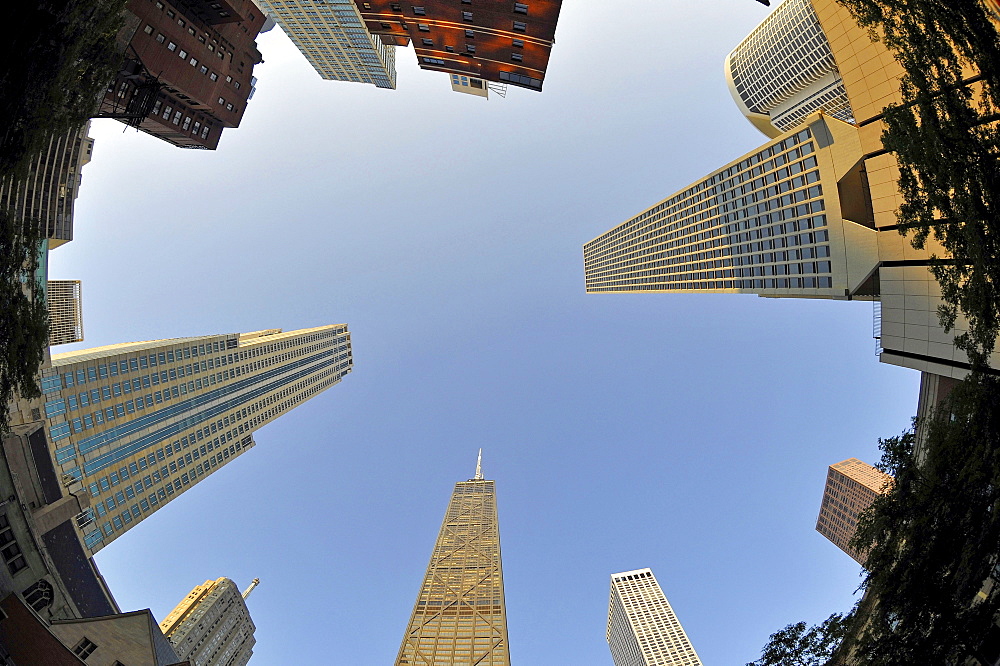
x: 137, y: 424
x: 851, y: 487
x: 212, y: 625
x: 505, y: 42
x: 812, y: 213
x: 48, y: 193
x: 642, y: 627
x: 784, y: 71
x: 65, y: 311
x: 460, y: 616
x: 333, y: 38
x: 189, y: 65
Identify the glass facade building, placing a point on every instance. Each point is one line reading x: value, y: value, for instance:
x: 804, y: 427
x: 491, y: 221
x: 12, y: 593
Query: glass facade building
x: 460, y: 615
x: 139, y: 423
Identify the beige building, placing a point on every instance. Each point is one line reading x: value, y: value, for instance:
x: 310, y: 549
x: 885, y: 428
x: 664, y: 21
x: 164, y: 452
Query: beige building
x: 812, y: 213
x: 134, y: 425
x: 642, y: 627
x: 48, y: 192
x: 460, y: 616
x: 65, y: 311
x: 212, y: 625
x: 851, y: 487
x: 333, y: 38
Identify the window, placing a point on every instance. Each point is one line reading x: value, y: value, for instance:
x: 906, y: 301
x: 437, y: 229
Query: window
x: 471, y: 48
x: 467, y: 16
x: 9, y: 548
x: 518, y: 43
x: 385, y: 26
x: 419, y: 11
x: 148, y: 29
x: 177, y: 118
x: 516, y: 57
x: 395, y: 7
x: 422, y: 27
x: 222, y: 100
x: 520, y: 26
x: 520, y: 8
x: 470, y: 34
x: 229, y: 107
x: 182, y: 54
x: 194, y: 63
x: 213, y: 76
x: 203, y: 69
x: 171, y: 46
x: 433, y: 61
x: 427, y: 42
x: 84, y: 648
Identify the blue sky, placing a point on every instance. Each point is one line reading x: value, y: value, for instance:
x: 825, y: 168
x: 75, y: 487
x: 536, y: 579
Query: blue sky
x: 686, y: 433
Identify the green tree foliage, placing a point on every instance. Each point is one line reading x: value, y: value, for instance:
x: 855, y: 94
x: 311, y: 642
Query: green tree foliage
x: 797, y: 645
x: 60, y: 56
x: 932, y: 539
x: 24, y: 320
x: 945, y: 136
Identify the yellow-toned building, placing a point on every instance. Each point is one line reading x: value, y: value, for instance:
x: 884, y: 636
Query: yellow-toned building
x: 136, y: 424
x: 812, y: 213
x: 211, y: 626
x: 460, y: 616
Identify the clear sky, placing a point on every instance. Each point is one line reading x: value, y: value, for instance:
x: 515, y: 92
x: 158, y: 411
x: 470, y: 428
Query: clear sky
x: 686, y: 433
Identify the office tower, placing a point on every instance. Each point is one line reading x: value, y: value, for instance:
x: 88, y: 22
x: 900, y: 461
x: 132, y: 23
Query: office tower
x: 65, y: 311
x: 49, y: 190
x: 505, y: 42
x: 188, y: 70
x: 137, y: 424
x: 642, y: 627
x: 784, y: 71
x: 851, y: 487
x: 332, y: 37
x: 460, y: 616
x: 810, y: 214
x: 212, y: 625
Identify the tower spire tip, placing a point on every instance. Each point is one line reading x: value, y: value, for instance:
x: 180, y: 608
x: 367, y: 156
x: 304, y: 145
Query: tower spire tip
x: 479, y: 466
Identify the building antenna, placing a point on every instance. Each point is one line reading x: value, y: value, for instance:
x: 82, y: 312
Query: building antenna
x: 254, y: 583
x: 479, y: 466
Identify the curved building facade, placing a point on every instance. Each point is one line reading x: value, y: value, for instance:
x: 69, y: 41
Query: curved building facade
x: 784, y: 71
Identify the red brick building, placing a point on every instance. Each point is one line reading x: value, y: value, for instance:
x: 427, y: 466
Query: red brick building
x: 495, y: 40
x: 202, y: 52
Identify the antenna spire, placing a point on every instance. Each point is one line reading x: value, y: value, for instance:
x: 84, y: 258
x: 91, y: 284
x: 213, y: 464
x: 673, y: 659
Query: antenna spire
x: 479, y: 466
x: 254, y: 583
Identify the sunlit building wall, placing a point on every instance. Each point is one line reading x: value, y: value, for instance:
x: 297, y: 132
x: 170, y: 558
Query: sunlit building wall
x: 851, y: 487
x: 211, y: 626
x: 63, y: 298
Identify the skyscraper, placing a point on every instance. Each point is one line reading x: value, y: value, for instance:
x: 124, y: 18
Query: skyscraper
x: 188, y: 70
x: 851, y: 487
x: 138, y: 423
x: 784, y: 71
x: 332, y: 37
x: 505, y: 42
x: 812, y: 213
x: 65, y: 316
x: 642, y: 627
x: 460, y: 617
x: 211, y: 626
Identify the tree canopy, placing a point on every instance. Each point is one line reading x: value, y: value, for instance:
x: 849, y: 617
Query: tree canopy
x: 799, y: 645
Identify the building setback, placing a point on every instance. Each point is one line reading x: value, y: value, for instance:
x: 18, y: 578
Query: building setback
x: 642, y: 627
x: 460, y: 616
x: 505, y: 42
x: 65, y: 311
x: 202, y: 52
x: 810, y: 214
x: 136, y: 424
x: 211, y: 626
x: 332, y: 37
x: 851, y: 487
x: 48, y: 192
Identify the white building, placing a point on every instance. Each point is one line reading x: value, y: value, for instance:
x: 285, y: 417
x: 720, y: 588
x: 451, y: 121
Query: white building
x: 333, y: 38
x: 212, y: 625
x: 642, y: 627
x: 785, y: 70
